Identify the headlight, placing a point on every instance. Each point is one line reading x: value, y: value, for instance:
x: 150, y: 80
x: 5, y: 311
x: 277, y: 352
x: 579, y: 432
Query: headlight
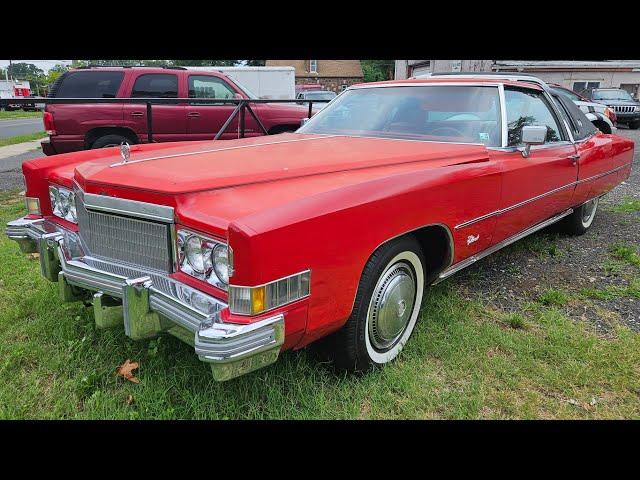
x: 638, y: 108
x: 203, y: 258
x: 63, y: 203
x: 256, y: 300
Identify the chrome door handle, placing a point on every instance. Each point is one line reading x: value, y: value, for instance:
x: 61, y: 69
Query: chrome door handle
x: 193, y: 114
x: 574, y: 158
x: 137, y: 114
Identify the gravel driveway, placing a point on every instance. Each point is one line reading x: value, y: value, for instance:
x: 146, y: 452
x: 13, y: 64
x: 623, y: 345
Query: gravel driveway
x: 525, y: 271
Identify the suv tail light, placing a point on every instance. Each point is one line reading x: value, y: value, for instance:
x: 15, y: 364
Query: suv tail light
x: 49, y: 126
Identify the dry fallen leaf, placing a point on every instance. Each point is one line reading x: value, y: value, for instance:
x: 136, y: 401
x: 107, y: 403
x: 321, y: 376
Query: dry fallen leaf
x: 126, y: 370
x: 130, y: 399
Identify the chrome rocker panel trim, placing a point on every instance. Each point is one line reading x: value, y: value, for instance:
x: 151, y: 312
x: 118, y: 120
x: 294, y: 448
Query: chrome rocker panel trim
x: 507, y: 241
x: 231, y: 349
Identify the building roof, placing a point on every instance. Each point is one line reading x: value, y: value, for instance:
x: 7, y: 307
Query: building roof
x: 569, y: 64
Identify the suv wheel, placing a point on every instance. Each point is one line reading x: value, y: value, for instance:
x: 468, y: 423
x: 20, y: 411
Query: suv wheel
x: 385, y: 310
x: 111, y: 140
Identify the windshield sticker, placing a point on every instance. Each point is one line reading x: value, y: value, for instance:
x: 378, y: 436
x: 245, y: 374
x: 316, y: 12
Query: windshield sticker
x: 484, y: 136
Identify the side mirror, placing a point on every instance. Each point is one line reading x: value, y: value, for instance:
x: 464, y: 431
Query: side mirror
x: 532, y: 135
x: 303, y: 121
x: 237, y: 96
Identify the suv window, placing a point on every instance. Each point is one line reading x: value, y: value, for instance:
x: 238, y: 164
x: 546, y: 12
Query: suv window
x: 528, y: 107
x: 156, y: 85
x: 94, y: 84
x: 205, y: 86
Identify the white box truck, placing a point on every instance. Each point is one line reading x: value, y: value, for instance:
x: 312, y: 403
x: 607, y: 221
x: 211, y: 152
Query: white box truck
x: 264, y: 82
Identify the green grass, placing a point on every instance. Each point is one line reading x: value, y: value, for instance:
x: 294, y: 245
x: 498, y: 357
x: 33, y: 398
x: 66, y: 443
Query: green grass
x: 19, y: 114
x: 626, y: 253
x: 628, y: 205
x: 554, y: 297
x: 465, y: 360
x: 21, y: 138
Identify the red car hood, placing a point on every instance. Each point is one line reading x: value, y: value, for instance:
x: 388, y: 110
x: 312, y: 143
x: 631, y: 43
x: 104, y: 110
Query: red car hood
x: 201, y: 166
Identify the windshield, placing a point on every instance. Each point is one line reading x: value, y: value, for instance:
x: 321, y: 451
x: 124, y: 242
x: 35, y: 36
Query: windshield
x: 611, y: 95
x: 319, y: 95
x: 247, y: 92
x: 463, y: 114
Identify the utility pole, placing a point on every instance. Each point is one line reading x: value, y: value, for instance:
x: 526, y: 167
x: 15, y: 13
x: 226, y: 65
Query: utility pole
x: 6, y: 74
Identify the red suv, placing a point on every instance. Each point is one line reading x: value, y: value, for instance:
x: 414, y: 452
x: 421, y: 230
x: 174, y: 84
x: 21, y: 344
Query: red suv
x: 83, y: 126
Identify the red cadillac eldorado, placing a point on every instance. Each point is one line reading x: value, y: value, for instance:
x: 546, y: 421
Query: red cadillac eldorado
x: 331, y: 234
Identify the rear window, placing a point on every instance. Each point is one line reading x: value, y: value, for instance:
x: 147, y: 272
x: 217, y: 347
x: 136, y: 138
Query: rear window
x: 90, y: 85
x: 156, y: 85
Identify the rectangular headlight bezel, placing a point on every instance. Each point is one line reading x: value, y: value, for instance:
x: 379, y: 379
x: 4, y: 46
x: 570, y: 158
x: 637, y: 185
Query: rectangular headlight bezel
x: 57, y: 208
x: 250, y: 301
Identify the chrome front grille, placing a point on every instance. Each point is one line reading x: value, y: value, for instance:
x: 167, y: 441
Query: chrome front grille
x: 129, y: 240
x: 624, y: 108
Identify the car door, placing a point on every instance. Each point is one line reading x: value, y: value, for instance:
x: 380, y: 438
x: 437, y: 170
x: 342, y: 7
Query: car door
x: 204, y: 121
x: 540, y: 185
x: 168, y: 121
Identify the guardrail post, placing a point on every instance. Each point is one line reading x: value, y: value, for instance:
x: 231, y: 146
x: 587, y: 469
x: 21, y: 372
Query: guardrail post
x: 149, y: 124
x: 242, y: 119
x: 310, y: 106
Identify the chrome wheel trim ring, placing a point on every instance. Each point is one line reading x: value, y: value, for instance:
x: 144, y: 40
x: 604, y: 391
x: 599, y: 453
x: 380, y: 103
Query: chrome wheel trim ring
x: 402, y: 274
x: 589, y: 212
x: 391, y: 306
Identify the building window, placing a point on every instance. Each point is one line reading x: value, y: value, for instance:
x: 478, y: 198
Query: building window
x: 313, y: 66
x: 343, y: 87
x: 584, y: 88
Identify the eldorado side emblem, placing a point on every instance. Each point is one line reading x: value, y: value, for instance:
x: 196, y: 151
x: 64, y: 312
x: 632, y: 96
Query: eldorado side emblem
x: 472, y: 238
x: 125, y: 151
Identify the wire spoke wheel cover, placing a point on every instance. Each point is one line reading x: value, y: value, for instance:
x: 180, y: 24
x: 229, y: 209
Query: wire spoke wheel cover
x: 589, y: 212
x: 394, y: 307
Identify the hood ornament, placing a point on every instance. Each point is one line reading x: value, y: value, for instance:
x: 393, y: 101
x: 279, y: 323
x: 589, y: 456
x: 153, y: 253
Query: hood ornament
x: 125, y: 152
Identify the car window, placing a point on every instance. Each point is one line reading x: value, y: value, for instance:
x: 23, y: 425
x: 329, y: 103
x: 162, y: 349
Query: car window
x: 88, y: 84
x: 581, y: 126
x: 156, y: 85
x: 574, y: 97
x: 528, y: 107
x: 460, y: 114
x: 611, y: 95
x: 205, y: 86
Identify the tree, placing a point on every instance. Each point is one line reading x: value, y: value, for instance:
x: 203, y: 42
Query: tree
x: 53, y: 74
x: 255, y: 63
x: 377, y: 70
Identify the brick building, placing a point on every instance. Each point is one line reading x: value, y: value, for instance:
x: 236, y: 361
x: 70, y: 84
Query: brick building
x: 334, y: 75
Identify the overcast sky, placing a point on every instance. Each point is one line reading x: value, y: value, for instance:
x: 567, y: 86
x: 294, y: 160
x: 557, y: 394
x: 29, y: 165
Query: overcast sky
x: 43, y: 64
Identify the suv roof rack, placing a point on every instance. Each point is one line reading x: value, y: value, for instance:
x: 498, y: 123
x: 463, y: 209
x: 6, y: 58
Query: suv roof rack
x: 92, y: 65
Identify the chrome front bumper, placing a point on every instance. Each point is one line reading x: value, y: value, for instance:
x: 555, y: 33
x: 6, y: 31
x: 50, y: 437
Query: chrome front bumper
x: 147, y: 303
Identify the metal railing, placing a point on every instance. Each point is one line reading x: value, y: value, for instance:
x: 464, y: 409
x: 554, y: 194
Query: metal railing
x: 242, y: 106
